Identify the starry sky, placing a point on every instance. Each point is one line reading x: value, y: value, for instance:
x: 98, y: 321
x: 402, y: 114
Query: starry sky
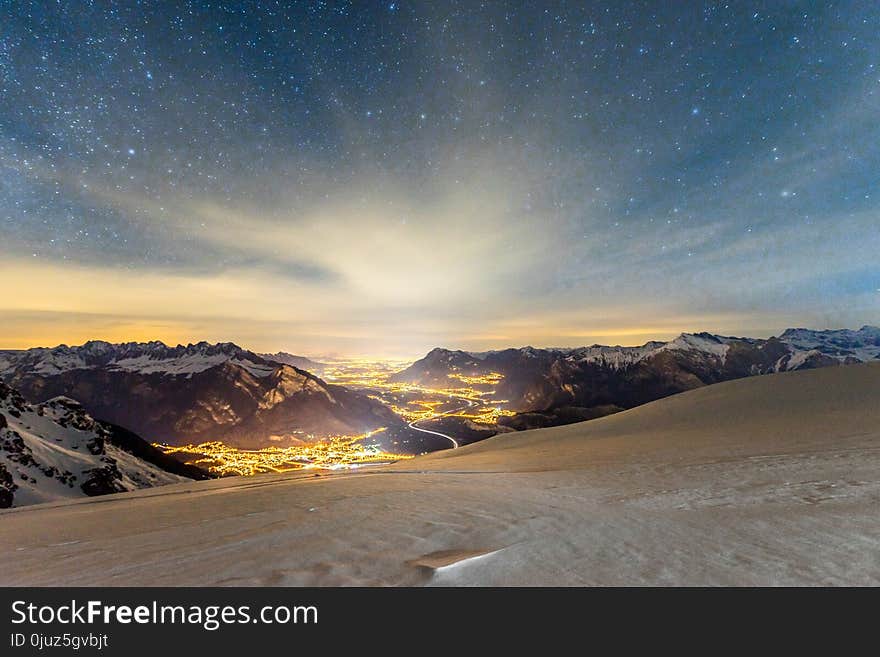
x: 385, y: 177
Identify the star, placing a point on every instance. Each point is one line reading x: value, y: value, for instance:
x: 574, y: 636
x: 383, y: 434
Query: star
x: 280, y: 143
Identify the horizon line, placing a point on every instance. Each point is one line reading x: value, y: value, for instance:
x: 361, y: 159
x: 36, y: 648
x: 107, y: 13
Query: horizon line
x: 388, y: 356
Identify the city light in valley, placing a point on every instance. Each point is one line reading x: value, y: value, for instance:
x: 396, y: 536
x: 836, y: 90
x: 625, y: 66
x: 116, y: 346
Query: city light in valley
x: 470, y: 399
x: 419, y: 403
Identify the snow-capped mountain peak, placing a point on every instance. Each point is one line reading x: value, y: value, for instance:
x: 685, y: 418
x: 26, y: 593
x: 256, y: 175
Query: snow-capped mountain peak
x: 840, y: 344
x: 55, y: 450
x: 142, y: 357
x: 705, y: 343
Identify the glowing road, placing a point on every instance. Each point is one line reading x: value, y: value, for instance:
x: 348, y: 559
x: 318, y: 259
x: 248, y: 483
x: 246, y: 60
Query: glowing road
x: 412, y: 425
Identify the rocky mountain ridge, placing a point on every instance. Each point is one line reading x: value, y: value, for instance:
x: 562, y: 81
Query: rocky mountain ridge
x: 56, y: 450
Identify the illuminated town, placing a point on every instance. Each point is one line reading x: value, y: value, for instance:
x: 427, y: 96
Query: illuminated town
x: 472, y: 401
x: 337, y: 453
x: 474, y: 398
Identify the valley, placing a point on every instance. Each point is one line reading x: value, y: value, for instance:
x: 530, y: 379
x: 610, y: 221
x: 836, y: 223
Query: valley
x: 222, y: 410
x: 468, y: 411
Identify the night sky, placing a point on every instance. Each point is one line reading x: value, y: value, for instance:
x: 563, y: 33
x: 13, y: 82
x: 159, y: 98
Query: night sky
x: 383, y: 178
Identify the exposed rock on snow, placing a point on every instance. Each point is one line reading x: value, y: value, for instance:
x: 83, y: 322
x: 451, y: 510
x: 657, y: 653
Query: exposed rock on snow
x: 55, y: 450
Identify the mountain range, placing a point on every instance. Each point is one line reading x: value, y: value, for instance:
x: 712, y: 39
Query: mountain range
x: 55, y: 450
x: 301, y: 362
x: 194, y: 393
x: 557, y: 386
x: 203, y: 392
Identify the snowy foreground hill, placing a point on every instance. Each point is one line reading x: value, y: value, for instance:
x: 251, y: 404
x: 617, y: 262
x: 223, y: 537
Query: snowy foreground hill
x: 55, y: 450
x: 767, y: 480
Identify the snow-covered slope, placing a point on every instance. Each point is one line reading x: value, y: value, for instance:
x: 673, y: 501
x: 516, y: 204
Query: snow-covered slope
x: 612, y: 356
x: 841, y: 344
x: 55, y: 450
